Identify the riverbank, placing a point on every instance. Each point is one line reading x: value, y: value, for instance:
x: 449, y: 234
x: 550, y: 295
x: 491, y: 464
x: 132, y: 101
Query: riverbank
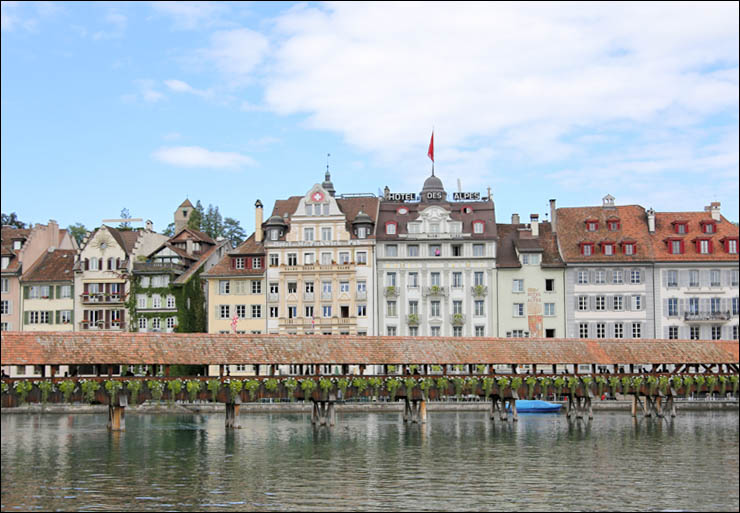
x: 300, y: 407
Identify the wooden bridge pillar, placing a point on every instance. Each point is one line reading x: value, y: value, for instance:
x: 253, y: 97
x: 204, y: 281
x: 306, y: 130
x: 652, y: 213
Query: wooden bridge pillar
x: 232, y: 415
x: 323, y: 413
x: 423, y: 411
x: 117, y: 413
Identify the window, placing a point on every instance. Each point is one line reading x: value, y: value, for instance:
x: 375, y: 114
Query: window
x: 714, y: 305
x: 694, y: 305
x: 257, y: 263
x: 679, y: 227
x: 308, y: 258
x: 142, y: 323
x: 223, y: 311
x: 672, y: 307
x: 361, y: 257
x: 635, y: 277
x: 435, y: 279
x: 93, y: 264
x: 325, y: 258
x: 292, y: 312
x: 308, y: 312
x: 5, y: 285
x: 457, y: 280
x: 434, y: 227
x: 224, y: 286
x: 66, y: 291
x: 434, y: 331
x: 582, y: 277
x: 274, y: 259
x: 457, y: 250
x: 518, y: 310
x: 708, y: 227
x: 435, y: 250
x: 391, y: 331
x: 362, y: 232
x: 5, y: 262
x: 343, y: 286
x: 413, y: 280
x: 714, y: 276
x: 694, y: 332
x: 4, y: 307
x: 478, y: 278
x: 390, y: 279
x: 141, y: 300
x: 65, y: 316
x: 479, y: 307
x: 390, y: 228
x: 592, y: 226
x: 326, y: 311
x: 676, y: 247
x: 326, y: 233
x: 704, y: 246
x: 480, y: 331
x: 457, y: 331
x: 549, y: 309
x: 583, y: 330
x: 292, y: 287
x: 618, y: 330
x: 517, y: 286
x: 479, y: 250
x: 672, y: 278
x: 600, y: 330
x: 600, y: 277
x: 618, y: 303
x: 156, y: 301
x: 239, y: 263
x: 478, y: 226
x: 587, y: 248
x: 344, y: 257
x: 273, y: 312
x: 391, y: 250
x: 549, y: 285
x: 607, y: 248
x: 731, y: 246
x: 613, y: 225
x: 517, y: 334
x: 391, y: 309
x: 457, y: 307
x: 716, y: 331
x: 412, y: 250
x: 361, y: 310
x: 617, y: 277
x: 734, y: 276
x: 600, y: 303
x: 637, y: 302
x: 734, y: 332
x: 256, y: 311
x: 308, y: 234
x: 582, y: 303
x: 636, y: 330
x: 628, y: 248
x: 170, y: 301
x: 693, y: 278
x: 241, y: 311
x: 361, y: 286
x: 735, y: 301
x: 435, y: 310
x: 673, y: 332
x: 292, y: 259
x: 256, y: 287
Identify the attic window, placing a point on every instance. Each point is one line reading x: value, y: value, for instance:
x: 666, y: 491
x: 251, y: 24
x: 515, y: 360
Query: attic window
x: 592, y: 225
x: 680, y: 227
x: 390, y: 227
x: 613, y: 225
x: 17, y: 244
x: 587, y: 248
x: 466, y: 210
x: 607, y: 248
x: 708, y: 227
x: 730, y: 245
x: 478, y: 226
x: 628, y: 248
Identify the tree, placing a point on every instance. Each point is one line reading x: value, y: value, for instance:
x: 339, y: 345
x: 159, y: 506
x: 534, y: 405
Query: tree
x: 234, y: 232
x: 170, y: 230
x: 78, y: 231
x: 213, y: 223
x: 12, y: 220
x: 196, y: 217
x: 125, y: 215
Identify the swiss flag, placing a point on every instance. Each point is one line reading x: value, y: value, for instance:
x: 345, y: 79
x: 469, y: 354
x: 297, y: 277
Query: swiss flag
x: 430, y: 153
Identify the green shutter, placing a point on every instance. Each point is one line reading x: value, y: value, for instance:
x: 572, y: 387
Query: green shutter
x: 57, y: 320
x: 26, y: 291
x: 51, y: 291
x: 59, y: 291
x: 25, y: 317
x: 50, y: 316
x: 72, y: 318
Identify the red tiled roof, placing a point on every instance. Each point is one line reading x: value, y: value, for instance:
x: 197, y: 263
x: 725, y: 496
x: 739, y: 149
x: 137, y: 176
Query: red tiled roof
x: 77, y: 348
x: 184, y: 277
x: 224, y: 268
x: 55, y: 266
x: 571, y: 225
x: 7, y: 235
x: 664, y: 230
x: 511, y: 235
x: 189, y: 233
x: 481, y: 211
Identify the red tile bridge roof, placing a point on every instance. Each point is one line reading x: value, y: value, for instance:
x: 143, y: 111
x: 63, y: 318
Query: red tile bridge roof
x: 74, y: 348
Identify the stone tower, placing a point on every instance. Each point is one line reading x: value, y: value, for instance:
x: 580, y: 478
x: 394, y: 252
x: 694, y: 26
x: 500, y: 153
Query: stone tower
x: 182, y: 215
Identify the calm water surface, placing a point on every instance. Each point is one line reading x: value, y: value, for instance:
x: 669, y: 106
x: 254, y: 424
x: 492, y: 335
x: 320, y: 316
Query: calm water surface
x: 458, y: 461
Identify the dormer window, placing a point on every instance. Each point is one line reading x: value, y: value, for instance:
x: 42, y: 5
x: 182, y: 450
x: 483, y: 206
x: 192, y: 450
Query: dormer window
x: 703, y: 246
x: 607, y: 248
x: 680, y: 227
x: 708, y: 227
x: 629, y: 248
x: 274, y: 234
x: 730, y: 245
x: 592, y: 225
x: 362, y: 232
x: 390, y: 227
x: 675, y: 246
x: 17, y: 244
x: 587, y: 248
x: 466, y: 210
x: 479, y: 226
x: 239, y: 263
x: 613, y: 225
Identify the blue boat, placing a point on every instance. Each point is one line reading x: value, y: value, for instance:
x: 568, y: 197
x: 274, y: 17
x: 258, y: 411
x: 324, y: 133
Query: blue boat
x: 535, y: 406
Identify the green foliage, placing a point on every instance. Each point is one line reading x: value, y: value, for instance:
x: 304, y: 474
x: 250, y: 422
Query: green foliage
x: 503, y: 383
x: 88, y: 390
x: 307, y: 385
x: 687, y: 382
x: 45, y: 387
x: 392, y: 369
x: 213, y: 386
x: 391, y: 385
x: 487, y: 386
x: 4, y: 387
x: 174, y: 386
x: 613, y: 382
x: 436, y: 368
x: 637, y: 382
x: 531, y: 382
x: 290, y: 385
x: 457, y: 318
x: 325, y: 385
x: 516, y: 383
x: 652, y: 383
x: 12, y: 220
x: 626, y: 384
x: 360, y: 384
x: 112, y: 387
x: 663, y: 383
x: 459, y: 384
x: 425, y: 384
x: 435, y: 289
x: 480, y: 368
x: 67, y: 387
x: 600, y: 383
x: 343, y: 385
x: 558, y: 384
x: 193, y: 387
x: 156, y: 388
x: 413, y: 319
x: 711, y: 382
x: 233, y: 231
x: 544, y: 385
x: 443, y: 385
x: 252, y: 385
x: 22, y: 388
x: 235, y: 388
x: 78, y: 231
x: 479, y: 291
x: 734, y: 380
x: 699, y: 380
x: 375, y: 383
x: 271, y: 385
x: 472, y: 385
x: 195, y: 218
x: 573, y: 383
x: 409, y: 383
x: 134, y: 386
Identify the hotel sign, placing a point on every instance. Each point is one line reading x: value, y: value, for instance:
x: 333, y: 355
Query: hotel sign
x: 466, y: 196
x: 402, y: 196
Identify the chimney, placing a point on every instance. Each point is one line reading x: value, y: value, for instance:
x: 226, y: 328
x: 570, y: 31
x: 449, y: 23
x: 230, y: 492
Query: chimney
x: 53, y: 230
x: 535, y: 224
x: 713, y: 208
x: 189, y: 246
x: 258, y: 221
x: 651, y: 220
x: 149, y: 225
x: 553, y: 216
x: 514, y: 218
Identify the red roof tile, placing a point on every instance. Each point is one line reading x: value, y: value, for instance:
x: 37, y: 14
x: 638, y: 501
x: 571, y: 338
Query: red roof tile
x: 664, y: 231
x: 52, y: 266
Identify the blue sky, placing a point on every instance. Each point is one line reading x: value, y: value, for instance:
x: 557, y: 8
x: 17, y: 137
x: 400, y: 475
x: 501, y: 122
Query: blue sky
x: 140, y: 105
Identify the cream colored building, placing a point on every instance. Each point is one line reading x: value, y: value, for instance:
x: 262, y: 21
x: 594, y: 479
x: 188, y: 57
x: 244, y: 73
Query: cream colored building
x: 320, y: 258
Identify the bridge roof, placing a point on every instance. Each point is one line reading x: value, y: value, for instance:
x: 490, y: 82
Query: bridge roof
x: 79, y: 348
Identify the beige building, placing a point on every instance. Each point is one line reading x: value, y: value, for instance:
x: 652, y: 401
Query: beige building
x: 320, y: 257
x: 48, y: 292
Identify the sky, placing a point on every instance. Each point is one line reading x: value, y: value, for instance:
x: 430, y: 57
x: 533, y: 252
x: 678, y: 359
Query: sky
x: 106, y: 106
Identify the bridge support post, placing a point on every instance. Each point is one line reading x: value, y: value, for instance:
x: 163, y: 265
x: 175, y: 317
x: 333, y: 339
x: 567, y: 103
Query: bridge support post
x: 117, y: 414
x: 634, y: 405
x: 571, y: 407
x: 423, y: 411
x: 232, y: 415
x: 514, y: 416
x: 406, y: 409
x: 332, y: 413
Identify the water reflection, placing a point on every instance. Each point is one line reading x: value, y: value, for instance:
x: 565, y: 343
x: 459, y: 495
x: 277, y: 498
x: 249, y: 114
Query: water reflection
x: 457, y: 461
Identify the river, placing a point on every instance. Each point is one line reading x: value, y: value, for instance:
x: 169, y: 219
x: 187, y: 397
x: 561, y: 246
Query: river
x: 370, y: 461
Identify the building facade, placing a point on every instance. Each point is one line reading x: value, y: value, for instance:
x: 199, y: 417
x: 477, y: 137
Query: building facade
x: 531, y: 281
x: 696, y: 266
x: 48, y: 292
x: 320, y: 257
x: 436, y: 264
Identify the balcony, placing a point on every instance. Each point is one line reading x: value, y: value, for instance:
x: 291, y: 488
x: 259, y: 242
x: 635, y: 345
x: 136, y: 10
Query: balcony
x: 457, y: 319
x: 413, y: 319
x: 158, y: 267
x: 479, y: 291
x: 390, y: 291
x: 435, y: 290
x: 102, y: 326
x: 708, y: 317
x: 100, y: 298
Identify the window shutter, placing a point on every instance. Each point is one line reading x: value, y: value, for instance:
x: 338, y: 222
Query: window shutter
x: 710, y: 245
x: 51, y: 317
x: 87, y: 264
x: 25, y: 317
x: 609, y: 276
x: 665, y: 278
x: 681, y: 307
x: 72, y: 317
x: 666, y: 310
x: 233, y: 263
x: 26, y: 291
x: 85, y: 315
x: 59, y: 291
x: 681, y: 247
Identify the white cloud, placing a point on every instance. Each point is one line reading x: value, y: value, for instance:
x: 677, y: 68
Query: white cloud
x: 236, y: 52
x: 179, y: 86
x: 195, y: 156
x: 117, y: 22
x: 191, y: 15
x: 146, y: 91
x: 26, y: 15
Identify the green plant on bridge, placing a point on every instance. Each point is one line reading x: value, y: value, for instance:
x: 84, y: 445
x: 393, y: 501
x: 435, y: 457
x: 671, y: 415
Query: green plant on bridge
x: 271, y: 385
x: 734, y: 380
x: 480, y: 368
x: 391, y: 369
x: 531, y: 382
x: 174, y: 386
x: 409, y: 383
x: 544, y: 386
x: 45, y: 387
x: 699, y: 381
x: 687, y: 382
x: 711, y: 382
x: 676, y: 382
x: 290, y: 385
x: 156, y: 388
x: 600, y: 383
x: 435, y: 289
x: 133, y: 386
x: 663, y: 383
x: 67, y: 388
x: 558, y: 384
x: 573, y: 383
x: 252, y: 385
x: 4, y: 387
x: 487, y: 386
x: 626, y: 381
x: 112, y: 387
x: 307, y: 385
x: 22, y: 388
x: 459, y: 383
x: 391, y: 385
x: 516, y: 384
x: 235, y: 388
x: 459, y: 367
x: 652, y: 383
x: 213, y: 386
x: 502, y: 383
x: 375, y: 383
x: 443, y: 385
x: 587, y: 380
x: 436, y: 368
x: 637, y: 383
x: 425, y: 384
x: 343, y: 385
x: 88, y: 390
x: 613, y: 384
x: 722, y: 386
x: 413, y: 368
x: 471, y: 385
x: 325, y: 385
x: 193, y: 387
x: 360, y: 385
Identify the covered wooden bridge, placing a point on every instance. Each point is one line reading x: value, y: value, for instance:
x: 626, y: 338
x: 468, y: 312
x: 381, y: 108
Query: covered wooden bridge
x: 324, y: 369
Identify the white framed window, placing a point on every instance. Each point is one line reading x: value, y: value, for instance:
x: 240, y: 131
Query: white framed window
x: 66, y: 291
x: 391, y: 250
x: 457, y: 307
x: 241, y: 311
x: 457, y: 280
x: 583, y: 330
x: 413, y: 331
x: 693, y: 278
x: 141, y: 300
x: 517, y: 286
x: 256, y: 311
x: 326, y: 233
x: 434, y: 331
x: 391, y: 309
x: 694, y: 333
x: 256, y: 262
x: 582, y: 277
x: 223, y: 311
x: 273, y: 312
x: 518, y: 310
x: 170, y: 323
x: 274, y: 259
x: 361, y: 310
x: 4, y: 307
x: 292, y: 258
x: 156, y: 301
x: 600, y: 277
x: 457, y: 331
x: 308, y: 234
x: 413, y: 280
x: 478, y: 278
x: 672, y: 307
x: 413, y: 307
x: 600, y: 303
x: 618, y: 303
x: 156, y: 323
x: 582, y: 303
x: 480, y: 331
x: 343, y: 286
x: 617, y: 277
x: 435, y: 309
x: 479, y: 308
x: 412, y: 250
x: 635, y: 276
x: 637, y: 302
x: 65, y: 316
x: 325, y: 258
x: 344, y: 257
x: 436, y: 279
x: 704, y: 247
x: 714, y: 277
x: 142, y: 323
x: 636, y: 330
x: 170, y: 301
x: 390, y: 279
x: 361, y: 257
x: 478, y: 227
x: 600, y: 330
x: 362, y: 286
x: 479, y: 250
x: 618, y: 330
x: 391, y: 331
x: 326, y: 311
x: 673, y: 332
x: 672, y: 278
x: 239, y: 262
x: 256, y: 287
x: 549, y: 310
x: 5, y: 285
x: 224, y: 286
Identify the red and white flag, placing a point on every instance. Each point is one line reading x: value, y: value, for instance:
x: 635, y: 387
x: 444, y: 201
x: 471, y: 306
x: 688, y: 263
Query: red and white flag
x: 430, y: 153
x: 234, y: 321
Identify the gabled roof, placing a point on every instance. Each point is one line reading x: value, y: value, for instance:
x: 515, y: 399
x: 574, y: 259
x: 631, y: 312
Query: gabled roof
x: 126, y: 239
x: 184, y: 277
x: 195, y: 235
x: 664, y: 230
x: 513, y: 236
x: 8, y: 235
x: 54, y: 265
x: 186, y: 203
x: 479, y: 211
x: 249, y: 247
